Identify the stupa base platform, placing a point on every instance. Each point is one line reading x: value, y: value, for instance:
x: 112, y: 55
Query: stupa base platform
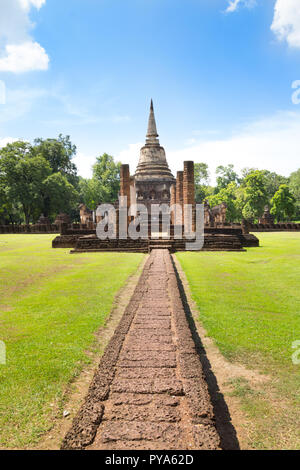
x: 216, y: 242
x: 215, y: 239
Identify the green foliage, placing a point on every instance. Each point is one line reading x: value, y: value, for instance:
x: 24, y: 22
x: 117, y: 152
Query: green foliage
x: 273, y: 182
x: 107, y: 173
x: 38, y: 179
x: 294, y: 186
x: 202, y: 192
x: 10, y: 211
x: 226, y: 176
x: 253, y: 195
x: 62, y: 196
x: 90, y: 191
x: 201, y: 174
x: 59, y: 153
x: 283, y: 204
x: 22, y: 174
x: 104, y: 186
x: 229, y: 196
x: 246, y: 196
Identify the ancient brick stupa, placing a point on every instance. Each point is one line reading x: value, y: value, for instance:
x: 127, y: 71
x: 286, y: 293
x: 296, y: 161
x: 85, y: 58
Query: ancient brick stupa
x: 153, y: 178
x: 153, y: 185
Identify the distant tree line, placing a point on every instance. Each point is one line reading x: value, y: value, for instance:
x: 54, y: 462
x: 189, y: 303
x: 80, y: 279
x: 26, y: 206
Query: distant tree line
x: 248, y: 193
x: 40, y: 178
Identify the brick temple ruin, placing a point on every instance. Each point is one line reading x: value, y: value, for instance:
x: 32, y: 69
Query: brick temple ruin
x: 153, y: 184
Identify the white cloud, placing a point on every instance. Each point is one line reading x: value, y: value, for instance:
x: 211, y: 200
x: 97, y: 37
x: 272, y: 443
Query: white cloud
x: 24, y: 58
x: 234, y: 4
x: 286, y: 22
x: 26, y: 4
x: 131, y: 155
x: 18, y: 50
x: 84, y: 164
x: 6, y: 140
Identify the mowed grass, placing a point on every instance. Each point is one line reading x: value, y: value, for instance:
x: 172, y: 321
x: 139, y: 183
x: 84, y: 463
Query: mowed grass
x: 249, y: 303
x: 51, y: 304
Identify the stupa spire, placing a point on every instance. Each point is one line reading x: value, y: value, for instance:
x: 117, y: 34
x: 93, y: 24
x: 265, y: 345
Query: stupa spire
x: 153, y: 165
x: 152, y: 134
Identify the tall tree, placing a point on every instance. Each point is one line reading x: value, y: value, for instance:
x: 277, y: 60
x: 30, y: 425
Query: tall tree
x: 27, y: 179
x: 273, y: 182
x: 226, y: 176
x: 283, y: 204
x: 294, y: 186
x: 90, y: 192
x: 59, y: 193
x: 253, y: 195
x: 107, y: 173
x: 10, y: 211
x: 201, y: 174
x: 59, y: 153
x: 22, y: 174
x: 202, y: 190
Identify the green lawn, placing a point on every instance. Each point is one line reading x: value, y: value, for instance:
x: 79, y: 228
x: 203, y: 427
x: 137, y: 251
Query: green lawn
x: 249, y: 304
x: 51, y: 303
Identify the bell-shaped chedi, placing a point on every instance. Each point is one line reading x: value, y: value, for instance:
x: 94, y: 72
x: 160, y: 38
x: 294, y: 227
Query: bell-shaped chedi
x: 153, y: 164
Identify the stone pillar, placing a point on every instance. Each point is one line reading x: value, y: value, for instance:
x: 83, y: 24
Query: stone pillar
x: 125, y: 186
x: 173, y: 202
x: 63, y: 228
x: 245, y: 226
x: 189, y: 188
x: 125, y: 182
x: 179, y: 195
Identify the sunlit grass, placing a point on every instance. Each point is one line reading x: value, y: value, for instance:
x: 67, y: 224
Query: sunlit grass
x: 51, y: 303
x: 250, y: 304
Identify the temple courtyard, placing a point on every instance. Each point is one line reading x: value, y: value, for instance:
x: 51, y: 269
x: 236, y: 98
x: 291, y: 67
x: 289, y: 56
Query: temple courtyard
x: 231, y: 318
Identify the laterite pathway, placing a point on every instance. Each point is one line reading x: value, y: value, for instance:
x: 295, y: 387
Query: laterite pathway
x: 149, y: 391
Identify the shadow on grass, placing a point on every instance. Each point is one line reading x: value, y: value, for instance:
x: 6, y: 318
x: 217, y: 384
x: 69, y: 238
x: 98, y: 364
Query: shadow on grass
x: 226, y: 430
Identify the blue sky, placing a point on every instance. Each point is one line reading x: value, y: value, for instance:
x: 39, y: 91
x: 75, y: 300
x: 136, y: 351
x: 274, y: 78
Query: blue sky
x: 220, y: 73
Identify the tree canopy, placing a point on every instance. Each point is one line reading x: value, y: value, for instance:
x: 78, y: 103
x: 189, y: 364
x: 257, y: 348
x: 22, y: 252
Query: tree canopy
x: 294, y: 185
x: 104, y: 186
x: 283, y: 204
x: 37, y: 178
x: 246, y: 195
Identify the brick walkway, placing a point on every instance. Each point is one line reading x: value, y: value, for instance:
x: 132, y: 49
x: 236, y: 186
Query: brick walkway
x: 149, y: 392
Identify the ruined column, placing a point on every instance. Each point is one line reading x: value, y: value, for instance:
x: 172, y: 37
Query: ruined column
x: 173, y: 202
x: 179, y: 195
x: 189, y: 190
x: 125, y: 186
